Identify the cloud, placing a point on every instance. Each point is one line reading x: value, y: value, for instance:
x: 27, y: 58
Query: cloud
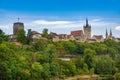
x: 44, y: 22
x: 7, y: 28
x: 54, y: 24
x: 97, y: 19
x: 117, y: 28
x: 69, y: 24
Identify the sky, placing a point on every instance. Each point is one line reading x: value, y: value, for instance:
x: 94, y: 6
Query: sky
x: 61, y: 16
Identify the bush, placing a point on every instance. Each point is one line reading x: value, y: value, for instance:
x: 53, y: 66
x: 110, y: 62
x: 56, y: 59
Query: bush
x: 117, y: 76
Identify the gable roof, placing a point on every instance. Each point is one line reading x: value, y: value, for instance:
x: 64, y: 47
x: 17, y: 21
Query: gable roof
x: 98, y: 36
x: 77, y: 33
x: 52, y: 34
x: 62, y: 36
x: 35, y: 32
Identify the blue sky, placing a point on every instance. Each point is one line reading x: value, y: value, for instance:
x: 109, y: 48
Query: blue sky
x: 61, y: 16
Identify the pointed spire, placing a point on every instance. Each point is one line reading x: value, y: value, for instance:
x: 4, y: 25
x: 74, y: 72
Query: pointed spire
x: 106, y: 33
x: 110, y: 32
x: 87, y: 22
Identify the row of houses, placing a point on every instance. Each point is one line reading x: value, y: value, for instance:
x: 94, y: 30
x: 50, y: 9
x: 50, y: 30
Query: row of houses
x: 76, y: 36
x: 73, y: 36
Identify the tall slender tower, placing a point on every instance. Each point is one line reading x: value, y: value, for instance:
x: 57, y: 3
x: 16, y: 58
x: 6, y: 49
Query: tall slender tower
x: 87, y: 30
x: 106, y: 34
x: 110, y: 33
x: 17, y: 26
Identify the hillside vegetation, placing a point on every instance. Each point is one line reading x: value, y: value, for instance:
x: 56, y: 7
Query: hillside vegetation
x: 39, y: 60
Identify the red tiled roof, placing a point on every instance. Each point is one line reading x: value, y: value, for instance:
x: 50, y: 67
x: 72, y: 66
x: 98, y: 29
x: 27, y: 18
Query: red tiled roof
x: 98, y: 36
x: 77, y: 33
x: 118, y: 38
x: 35, y: 32
x: 53, y: 34
x: 62, y: 36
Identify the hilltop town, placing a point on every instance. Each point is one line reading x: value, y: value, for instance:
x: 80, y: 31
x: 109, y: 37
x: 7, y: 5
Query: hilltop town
x: 52, y: 56
x: 75, y: 35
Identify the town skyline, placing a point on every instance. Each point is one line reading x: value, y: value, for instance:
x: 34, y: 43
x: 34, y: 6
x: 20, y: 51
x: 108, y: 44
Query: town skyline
x: 62, y: 16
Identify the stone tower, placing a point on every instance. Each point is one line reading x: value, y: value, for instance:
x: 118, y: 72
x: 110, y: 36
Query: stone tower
x: 87, y: 30
x: 17, y: 26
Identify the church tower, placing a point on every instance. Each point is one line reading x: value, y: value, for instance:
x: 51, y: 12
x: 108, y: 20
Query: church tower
x: 110, y: 34
x: 106, y: 34
x: 17, y: 26
x: 87, y: 30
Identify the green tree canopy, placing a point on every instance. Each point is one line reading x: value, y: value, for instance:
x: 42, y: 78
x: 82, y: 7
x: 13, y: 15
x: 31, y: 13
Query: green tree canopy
x: 89, y: 58
x: 21, y: 36
x: 105, y: 66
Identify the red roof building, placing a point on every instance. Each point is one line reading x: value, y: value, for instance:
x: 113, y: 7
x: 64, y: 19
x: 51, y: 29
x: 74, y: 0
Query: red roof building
x: 35, y: 32
x: 99, y: 38
x: 77, y: 33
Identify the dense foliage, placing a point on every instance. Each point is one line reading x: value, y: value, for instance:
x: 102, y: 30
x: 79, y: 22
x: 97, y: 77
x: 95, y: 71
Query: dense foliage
x: 39, y: 60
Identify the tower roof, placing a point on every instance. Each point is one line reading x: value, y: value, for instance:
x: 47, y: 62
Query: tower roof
x: 110, y: 31
x: 87, y: 22
x: 106, y: 32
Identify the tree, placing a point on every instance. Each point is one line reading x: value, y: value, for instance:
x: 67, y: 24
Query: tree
x: 29, y: 36
x: 81, y: 66
x: 3, y: 37
x: 46, y: 71
x: 79, y: 49
x: 112, y: 52
x: 21, y: 36
x: 105, y: 66
x: 1, y: 32
x: 117, y: 76
x: 69, y: 46
x: 89, y: 58
x: 36, y: 70
x: 39, y: 45
x: 50, y: 53
x: 45, y: 33
x: 67, y: 68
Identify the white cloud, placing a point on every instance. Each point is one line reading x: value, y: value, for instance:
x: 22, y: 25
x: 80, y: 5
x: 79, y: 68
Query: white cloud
x: 97, y: 19
x: 69, y: 24
x: 44, y: 22
x: 4, y: 26
x: 117, y: 28
x: 54, y: 24
x: 7, y: 28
